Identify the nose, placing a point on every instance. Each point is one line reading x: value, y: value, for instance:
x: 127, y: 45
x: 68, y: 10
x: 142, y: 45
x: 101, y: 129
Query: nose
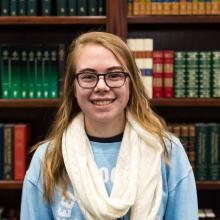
x: 101, y: 85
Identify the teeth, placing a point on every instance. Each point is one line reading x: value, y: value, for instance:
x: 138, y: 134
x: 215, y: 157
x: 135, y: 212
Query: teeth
x: 106, y: 102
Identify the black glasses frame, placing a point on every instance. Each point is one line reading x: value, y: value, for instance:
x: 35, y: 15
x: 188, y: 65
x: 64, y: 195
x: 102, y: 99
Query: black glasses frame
x: 76, y: 76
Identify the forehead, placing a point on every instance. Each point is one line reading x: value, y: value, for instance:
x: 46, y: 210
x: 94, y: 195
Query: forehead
x: 95, y: 56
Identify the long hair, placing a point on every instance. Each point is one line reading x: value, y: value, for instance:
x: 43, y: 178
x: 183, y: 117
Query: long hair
x: 54, y: 171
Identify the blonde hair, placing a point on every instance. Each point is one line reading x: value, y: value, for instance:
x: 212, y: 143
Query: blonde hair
x: 54, y: 171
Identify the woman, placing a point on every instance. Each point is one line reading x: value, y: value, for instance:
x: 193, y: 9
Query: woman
x: 109, y: 155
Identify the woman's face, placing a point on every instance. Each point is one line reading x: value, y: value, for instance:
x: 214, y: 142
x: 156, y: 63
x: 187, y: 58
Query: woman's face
x: 101, y: 104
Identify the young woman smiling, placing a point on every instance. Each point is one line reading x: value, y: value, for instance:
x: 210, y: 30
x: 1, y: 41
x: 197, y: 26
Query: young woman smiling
x: 108, y: 156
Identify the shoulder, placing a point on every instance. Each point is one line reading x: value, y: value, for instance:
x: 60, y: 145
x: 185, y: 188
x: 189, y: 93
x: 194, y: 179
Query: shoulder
x: 179, y: 167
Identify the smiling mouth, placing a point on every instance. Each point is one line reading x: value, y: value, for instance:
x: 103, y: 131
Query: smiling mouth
x: 102, y: 102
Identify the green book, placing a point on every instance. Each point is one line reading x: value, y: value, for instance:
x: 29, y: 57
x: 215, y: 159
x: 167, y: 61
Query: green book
x: 4, y: 7
x: 31, y: 74
x: 53, y: 74
x: 92, y: 7
x: 45, y: 73
x: 82, y: 7
x: 101, y: 7
x: 46, y: 7
x: 31, y: 7
x: 13, y: 8
x: 213, y: 151
x: 38, y: 73
x: 23, y: 71
x: 61, y: 57
x: 21, y: 7
x: 201, y: 152
x: 61, y: 7
x: 14, y: 70
x: 71, y: 8
x: 5, y: 76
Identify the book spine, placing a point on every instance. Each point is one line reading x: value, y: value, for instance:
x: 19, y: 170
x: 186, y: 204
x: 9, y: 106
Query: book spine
x: 23, y: 74
x: 13, y: 7
x: 8, y: 166
x: 215, y: 80
x: 213, y: 151
x: 31, y: 7
x: 61, y: 7
x: 5, y: 7
x: 157, y: 74
x: 45, y: 72
x: 38, y: 72
x: 201, y: 152
x: 46, y: 7
x: 53, y: 75
x: 31, y: 74
x: 22, y: 7
x: 179, y: 74
x: 5, y: 76
x: 192, y: 75
x: 14, y: 67
x: 204, y: 74
x: 21, y: 137
x: 62, y: 58
x: 72, y: 7
x: 1, y: 150
x: 191, y: 150
x: 82, y: 7
x: 168, y: 91
x: 101, y: 7
x: 92, y: 7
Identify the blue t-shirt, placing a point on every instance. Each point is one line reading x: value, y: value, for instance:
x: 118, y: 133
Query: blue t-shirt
x: 179, y: 200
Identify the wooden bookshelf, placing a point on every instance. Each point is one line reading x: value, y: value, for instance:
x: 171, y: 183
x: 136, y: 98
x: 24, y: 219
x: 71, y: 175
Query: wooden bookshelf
x: 10, y: 184
x: 201, y: 185
x: 177, y: 19
x: 163, y: 102
x: 52, y: 20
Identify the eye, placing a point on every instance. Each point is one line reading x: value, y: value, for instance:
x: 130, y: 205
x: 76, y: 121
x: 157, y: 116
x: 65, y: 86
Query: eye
x: 115, y: 75
x: 88, y: 76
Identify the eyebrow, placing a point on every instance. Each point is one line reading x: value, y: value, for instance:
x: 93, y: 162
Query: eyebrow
x: 112, y: 68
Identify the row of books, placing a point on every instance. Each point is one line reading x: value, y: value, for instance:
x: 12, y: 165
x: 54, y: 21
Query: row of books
x: 31, y: 71
x: 49, y: 7
x: 202, y: 145
x: 173, y: 7
x: 178, y: 74
x: 207, y: 214
x: 14, y: 139
x: 9, y: 213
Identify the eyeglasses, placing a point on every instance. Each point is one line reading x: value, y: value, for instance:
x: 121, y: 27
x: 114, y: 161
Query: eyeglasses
x: 89, y: 80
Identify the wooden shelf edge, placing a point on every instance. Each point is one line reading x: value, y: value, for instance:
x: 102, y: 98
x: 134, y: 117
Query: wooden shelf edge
x: 208, y: 185
x: 201, y: 185
x: 174, y: 19
x: 29, y: 103
x: 11, y: 184
x: 179, y: 102
x: 41, y: 103
x: 51, y: 20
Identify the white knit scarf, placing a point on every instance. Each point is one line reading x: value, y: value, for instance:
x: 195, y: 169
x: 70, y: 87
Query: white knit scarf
x: 138, y: 181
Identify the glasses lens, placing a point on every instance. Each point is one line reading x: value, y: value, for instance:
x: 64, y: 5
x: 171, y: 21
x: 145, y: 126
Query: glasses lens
x: 87, y: 80
x: 115, y: 79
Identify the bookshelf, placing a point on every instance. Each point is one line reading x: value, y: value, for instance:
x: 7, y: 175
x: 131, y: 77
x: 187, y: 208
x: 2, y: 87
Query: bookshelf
x: 169, y: 32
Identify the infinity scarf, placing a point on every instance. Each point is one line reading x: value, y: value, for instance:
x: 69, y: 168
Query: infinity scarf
x: 138, y: 181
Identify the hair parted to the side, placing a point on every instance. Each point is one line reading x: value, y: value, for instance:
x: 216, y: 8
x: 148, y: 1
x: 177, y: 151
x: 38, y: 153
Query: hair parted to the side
x: 54, y: 171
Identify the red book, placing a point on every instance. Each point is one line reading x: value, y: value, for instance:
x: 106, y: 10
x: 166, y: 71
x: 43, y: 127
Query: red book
x: 168, y: 74
x: 157, y: 74
x: 21, y: 138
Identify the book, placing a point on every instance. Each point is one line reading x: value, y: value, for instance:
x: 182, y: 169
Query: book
x: 8, y: 162
x: 21, y: 138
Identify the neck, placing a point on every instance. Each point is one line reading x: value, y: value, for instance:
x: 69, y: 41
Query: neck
x: 105, y: 129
